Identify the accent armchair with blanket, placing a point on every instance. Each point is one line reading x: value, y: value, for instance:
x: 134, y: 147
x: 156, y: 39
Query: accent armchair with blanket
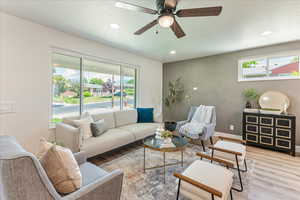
x: 22, y: 177
x: 200, y: 124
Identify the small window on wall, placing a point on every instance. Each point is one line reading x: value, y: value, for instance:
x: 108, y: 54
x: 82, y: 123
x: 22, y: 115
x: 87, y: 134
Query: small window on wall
x: 281, y: 66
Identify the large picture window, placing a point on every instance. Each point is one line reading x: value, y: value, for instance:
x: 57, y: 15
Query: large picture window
x: 89, y: 85
x: 274, y: 67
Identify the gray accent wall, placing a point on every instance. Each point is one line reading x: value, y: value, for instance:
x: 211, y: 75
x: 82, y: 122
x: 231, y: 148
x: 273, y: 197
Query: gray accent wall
x: 216, y: 78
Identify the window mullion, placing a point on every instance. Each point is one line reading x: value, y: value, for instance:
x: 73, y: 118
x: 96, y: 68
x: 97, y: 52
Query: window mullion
x: 81, y: 87
x: 135, y: 87
x: 268, y: 63
x: 121, y: 88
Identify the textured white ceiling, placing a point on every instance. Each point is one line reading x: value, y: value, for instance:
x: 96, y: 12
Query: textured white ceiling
x: 238, y: 27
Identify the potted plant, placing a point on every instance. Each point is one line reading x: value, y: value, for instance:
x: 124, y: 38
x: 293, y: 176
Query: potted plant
x: 176, y: 91
x: 251, y: 96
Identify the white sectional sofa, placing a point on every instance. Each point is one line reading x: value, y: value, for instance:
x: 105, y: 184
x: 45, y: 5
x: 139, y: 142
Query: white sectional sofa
x: 122, y: 129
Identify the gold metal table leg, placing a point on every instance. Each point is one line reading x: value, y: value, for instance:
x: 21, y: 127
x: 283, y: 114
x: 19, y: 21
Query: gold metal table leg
x: 164, y: 167
x: 182, y: 158
x: 144, y: 159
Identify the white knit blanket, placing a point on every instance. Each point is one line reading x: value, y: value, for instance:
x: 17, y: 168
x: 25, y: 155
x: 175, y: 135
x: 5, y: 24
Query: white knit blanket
x: 201, y: 118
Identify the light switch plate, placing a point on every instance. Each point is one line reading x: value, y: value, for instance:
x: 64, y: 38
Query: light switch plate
x: 7, y: 107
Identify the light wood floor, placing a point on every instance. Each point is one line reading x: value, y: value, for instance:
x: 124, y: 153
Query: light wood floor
x: 272, y: 175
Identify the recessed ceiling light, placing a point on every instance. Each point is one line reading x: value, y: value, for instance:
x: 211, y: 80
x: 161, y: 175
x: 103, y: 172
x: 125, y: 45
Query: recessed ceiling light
x: 173, y: 52
x: 266, y: 33
x: 114, y: 26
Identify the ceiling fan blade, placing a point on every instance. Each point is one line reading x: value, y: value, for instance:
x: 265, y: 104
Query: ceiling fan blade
x: 177, y: 29
x: 171, y: 3
x: 200, y: 12
x: 147, y: 27
x: 129, y: 6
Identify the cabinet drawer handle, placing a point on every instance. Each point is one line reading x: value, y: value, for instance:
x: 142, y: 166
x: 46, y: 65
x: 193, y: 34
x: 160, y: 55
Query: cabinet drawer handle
x: 284, y: 130
x: 284, y: 147
x: 248, y: 117
x: 251, y: 131
x: 283, y: 126
x: 252, y: 135
x: 264, y: 137
x: 267, y: 118
x: 266, y: 133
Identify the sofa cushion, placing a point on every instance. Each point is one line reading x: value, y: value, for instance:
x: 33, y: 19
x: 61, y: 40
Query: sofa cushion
x: 145, y: 115
x: 90, y: 173
x: 125, y: 117
x: 141, y: 130
x: 98, y: 128
x: 111, y: 139
x: 109, y: 119
x: 215, y: 176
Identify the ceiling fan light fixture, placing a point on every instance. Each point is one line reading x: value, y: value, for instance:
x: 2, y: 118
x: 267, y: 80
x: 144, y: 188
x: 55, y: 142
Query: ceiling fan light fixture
x: 166, y: 21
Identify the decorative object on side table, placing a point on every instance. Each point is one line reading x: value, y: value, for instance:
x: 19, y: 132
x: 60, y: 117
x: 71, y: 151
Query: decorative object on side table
x: 274, y: 102
x: 165, y: 136
x: 170, y: 125
x: 250, y: 96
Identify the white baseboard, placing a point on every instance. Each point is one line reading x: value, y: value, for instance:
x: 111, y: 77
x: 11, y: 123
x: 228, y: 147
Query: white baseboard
x: 297, y: 149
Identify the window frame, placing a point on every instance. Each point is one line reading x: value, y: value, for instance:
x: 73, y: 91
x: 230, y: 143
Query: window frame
x: 268, y: 57
x: 82, y: 57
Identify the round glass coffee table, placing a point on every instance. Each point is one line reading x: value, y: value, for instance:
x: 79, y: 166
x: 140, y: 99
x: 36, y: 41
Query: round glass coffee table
x: 155, y: 144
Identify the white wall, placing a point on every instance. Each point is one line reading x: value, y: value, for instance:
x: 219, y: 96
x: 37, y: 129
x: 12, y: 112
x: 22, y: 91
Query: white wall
x: 26, y: 75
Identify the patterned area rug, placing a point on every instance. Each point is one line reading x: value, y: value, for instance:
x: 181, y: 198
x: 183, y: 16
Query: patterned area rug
x: 149, y: 186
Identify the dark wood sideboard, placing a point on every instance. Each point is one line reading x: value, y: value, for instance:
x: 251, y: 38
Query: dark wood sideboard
x: 275, y: 132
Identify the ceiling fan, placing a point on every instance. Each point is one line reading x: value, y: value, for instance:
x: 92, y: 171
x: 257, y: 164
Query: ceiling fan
x: 166, y: 9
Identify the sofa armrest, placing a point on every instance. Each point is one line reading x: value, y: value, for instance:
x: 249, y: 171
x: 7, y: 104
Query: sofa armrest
x: 107, y: 187
x: 69, y: 136
x: 80, y: 157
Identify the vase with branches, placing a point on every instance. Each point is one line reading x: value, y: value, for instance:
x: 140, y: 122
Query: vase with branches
x: 175, y: 95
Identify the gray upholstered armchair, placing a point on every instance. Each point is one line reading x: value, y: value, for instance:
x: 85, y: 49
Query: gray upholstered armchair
x: 23, y: 178
x: 208, y: 129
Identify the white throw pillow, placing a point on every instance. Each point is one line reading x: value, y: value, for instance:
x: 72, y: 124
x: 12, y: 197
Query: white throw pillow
x: 85, y: 125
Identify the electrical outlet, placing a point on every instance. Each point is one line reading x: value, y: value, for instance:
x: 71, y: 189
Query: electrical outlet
x: 231, y: 127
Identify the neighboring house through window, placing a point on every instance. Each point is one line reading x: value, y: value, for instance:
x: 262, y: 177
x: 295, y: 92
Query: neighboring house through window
x: 84, y: 84
x: 274, y: 67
